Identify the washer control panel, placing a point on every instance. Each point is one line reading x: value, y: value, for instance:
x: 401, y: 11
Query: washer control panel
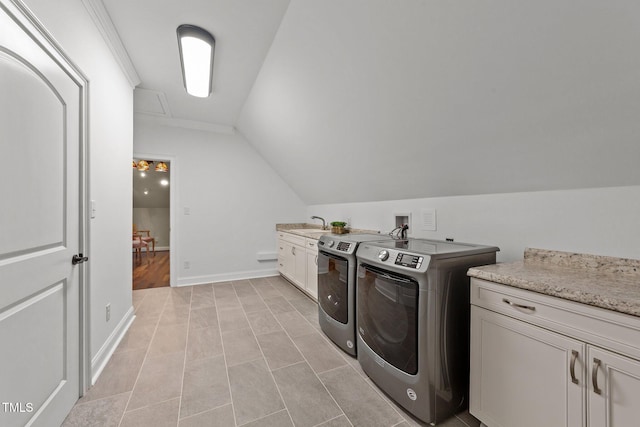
x: 408, y: 260
x: 344, y: 246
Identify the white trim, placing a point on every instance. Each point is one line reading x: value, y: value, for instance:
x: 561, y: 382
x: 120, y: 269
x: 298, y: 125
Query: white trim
x: 225, y: 277
x: 103, y: 355
x: 104, y: 24
x: 185, y: 124
x: 173, y: 210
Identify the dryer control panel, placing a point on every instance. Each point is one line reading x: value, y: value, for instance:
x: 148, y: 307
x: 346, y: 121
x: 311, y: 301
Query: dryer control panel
x: 408, y: 260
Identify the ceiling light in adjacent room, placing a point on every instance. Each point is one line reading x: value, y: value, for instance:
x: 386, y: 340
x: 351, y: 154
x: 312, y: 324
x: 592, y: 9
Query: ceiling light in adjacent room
x: 164, y: 182
x: 143, y: 165
x: 162, y: 167
x: 145, y: 191
x: 196, y: 56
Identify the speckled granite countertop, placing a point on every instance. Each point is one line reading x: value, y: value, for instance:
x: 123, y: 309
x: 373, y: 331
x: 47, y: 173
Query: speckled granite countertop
x: 313, y: 231
x: 606, y: 282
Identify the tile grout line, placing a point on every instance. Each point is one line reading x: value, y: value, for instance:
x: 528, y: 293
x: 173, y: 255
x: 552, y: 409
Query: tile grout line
x: 372, y: 386
x: 224, y: 355
x: 304, y: 358
x: 284, y: 403
x: 144, y: 360
x: 184, y: 361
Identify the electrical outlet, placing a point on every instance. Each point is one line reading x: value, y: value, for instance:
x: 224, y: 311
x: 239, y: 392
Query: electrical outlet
x: 108, y: 311
x: 187, y: 265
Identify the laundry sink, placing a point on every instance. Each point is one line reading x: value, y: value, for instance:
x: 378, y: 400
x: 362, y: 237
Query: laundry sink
x: 309, y: 231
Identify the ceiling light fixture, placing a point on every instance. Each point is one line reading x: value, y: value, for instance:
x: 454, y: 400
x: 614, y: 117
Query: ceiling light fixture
x: 196, y: 57
x: 164, y: 182
x: 162, y: 167
x: 143, y: 165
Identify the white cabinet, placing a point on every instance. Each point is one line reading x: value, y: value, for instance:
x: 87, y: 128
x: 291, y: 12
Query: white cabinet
x: 521, y: 374
x: 614, y: 389
x: 537, y: 360
x: 299, y: 266
x: 297, y: 261
x: 312, y: 268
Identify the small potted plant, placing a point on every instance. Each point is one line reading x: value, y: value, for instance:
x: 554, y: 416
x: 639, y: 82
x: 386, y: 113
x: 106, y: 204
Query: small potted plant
x: 337, y: 227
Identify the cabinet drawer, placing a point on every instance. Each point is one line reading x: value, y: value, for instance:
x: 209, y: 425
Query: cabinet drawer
x: 292, y: 238
x: 609, y: 329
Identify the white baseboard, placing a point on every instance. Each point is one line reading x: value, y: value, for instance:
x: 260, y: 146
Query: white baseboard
x: 103, y: 355
x: 225, y: 277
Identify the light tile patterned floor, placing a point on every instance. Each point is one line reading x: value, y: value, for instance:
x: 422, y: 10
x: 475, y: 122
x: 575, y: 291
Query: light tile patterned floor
x: 243, y: 353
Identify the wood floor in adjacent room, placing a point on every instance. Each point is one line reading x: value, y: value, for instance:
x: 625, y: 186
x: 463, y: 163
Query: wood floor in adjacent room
x: 151, y: 270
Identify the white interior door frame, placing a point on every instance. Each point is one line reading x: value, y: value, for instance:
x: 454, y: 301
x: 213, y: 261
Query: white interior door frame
x: 173, y: 246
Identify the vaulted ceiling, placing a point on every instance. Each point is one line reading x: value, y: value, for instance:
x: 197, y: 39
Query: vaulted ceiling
x: 360, y: 100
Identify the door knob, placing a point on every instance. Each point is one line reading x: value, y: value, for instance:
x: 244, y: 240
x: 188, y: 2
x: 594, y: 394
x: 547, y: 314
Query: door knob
x: 79, y: 259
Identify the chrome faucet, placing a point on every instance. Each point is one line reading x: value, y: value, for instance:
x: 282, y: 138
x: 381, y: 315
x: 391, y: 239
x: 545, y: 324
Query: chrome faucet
x: 324, y: 223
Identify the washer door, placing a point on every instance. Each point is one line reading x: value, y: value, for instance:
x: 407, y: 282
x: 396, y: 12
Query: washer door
x: 387, y: 307
x: 333, y: 286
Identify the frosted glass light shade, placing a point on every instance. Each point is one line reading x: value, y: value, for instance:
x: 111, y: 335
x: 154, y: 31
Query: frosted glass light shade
x: 196, y: 56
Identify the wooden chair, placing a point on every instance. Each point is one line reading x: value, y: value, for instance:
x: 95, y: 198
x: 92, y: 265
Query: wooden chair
x: 138, y: 244
x: 147, y: 239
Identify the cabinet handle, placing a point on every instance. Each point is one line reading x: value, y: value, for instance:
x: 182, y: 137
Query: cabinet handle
x: 572, y: 366
x: 594, y: 375
x: 316, y: 259
x: 293, y: 250
x: 513, y: 304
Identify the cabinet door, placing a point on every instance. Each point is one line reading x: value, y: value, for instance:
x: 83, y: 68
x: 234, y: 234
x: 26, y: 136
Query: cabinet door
x: 300, y: 265
x: 287, y: 260
x: 614, y: 389
x: 282, y: 256
x: 312, y: 273
x: 521, y: 375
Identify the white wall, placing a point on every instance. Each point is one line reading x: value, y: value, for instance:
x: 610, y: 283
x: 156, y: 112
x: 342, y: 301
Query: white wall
x: 442, y: 98
x: 156, y: 220
x: 234, y: 200
x: 110, y: 181
x: 603, y: 221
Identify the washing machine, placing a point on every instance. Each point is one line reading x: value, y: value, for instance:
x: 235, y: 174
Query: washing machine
x: 337, y: 284
x: 412, y: 309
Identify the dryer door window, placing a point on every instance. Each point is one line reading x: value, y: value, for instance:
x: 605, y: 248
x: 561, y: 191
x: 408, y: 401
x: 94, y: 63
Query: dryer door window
x: 387, y: 307
x: 333, y: 286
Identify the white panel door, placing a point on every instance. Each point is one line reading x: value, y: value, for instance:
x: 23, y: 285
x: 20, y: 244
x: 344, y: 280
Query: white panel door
x: 41, y: 108
x: 521, y: 375
x: 614, y: 389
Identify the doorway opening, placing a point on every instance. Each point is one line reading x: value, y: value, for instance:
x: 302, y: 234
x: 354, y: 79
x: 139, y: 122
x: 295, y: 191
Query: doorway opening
x: 151, y: 231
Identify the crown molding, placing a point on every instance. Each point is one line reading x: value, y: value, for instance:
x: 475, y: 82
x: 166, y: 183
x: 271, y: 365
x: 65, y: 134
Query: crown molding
x: 185, y: 124
x: 103, y: 22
